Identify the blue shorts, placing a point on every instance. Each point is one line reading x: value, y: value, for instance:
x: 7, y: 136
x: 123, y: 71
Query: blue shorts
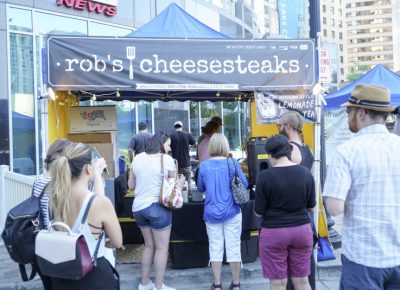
x: 156, y: 217
x: 356, y: 276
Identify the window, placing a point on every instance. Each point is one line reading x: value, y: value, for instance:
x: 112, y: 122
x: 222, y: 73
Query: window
x: 19, y: 19
x: 194, y: 109
x: 98, y: 29
x: 340, y: 35
x: 325, y: 33
x: 145, y: 114
x: 332, y: 10
x: 323, y: 20
x: 332, y: 22
x: 231, y: 123
x: 333, y: 35
x: 341, y: 59
x: 60, y: 25
x: 167, y: 113
x: 23, y: 103
x: 323, y: 8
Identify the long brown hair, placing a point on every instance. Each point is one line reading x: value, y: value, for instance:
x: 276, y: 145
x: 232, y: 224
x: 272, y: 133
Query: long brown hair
x: 64, y: 169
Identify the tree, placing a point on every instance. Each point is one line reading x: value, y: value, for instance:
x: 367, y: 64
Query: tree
x: 357, y: 71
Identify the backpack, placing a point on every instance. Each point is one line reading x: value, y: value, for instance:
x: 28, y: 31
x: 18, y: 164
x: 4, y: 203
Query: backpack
x: 23, y: 222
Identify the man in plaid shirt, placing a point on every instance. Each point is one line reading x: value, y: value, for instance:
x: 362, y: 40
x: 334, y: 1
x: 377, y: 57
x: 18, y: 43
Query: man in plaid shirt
x: 363, y: 182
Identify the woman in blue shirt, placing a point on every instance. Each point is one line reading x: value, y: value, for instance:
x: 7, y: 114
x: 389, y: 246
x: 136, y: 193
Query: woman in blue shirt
x: 222, y: 215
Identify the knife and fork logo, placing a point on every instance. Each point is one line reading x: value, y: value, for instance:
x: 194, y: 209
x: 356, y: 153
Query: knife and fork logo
x: 130, y: 55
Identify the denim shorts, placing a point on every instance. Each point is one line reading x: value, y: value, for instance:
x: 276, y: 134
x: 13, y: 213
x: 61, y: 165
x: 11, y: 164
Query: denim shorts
x: 156, y: 217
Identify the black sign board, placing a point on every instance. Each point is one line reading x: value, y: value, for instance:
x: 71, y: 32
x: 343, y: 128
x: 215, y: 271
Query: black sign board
x: 94, y: 63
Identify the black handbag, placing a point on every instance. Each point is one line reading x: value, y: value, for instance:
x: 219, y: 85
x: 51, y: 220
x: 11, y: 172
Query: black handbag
x: 240, y: 193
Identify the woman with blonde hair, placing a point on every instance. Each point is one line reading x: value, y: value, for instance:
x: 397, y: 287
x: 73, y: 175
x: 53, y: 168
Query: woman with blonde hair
x: 222, y: 215
x: 71, y: 172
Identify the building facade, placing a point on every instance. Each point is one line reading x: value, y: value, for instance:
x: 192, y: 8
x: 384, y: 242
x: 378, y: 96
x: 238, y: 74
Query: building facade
x: 373, y: 34
x: 333, y: 36
x: 23, y: 22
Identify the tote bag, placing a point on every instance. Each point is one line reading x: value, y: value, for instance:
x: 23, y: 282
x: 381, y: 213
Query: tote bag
x: 171, y: 188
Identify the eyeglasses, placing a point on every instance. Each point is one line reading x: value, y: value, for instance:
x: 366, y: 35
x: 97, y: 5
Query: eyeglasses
x: 280, y: 125
x: 351, y: 109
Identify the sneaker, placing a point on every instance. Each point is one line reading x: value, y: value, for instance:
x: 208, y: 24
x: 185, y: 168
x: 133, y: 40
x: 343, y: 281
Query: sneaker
x: 149, y: 286
x: 164, y: 287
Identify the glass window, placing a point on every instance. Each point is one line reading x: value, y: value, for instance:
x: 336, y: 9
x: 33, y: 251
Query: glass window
x: 98, y: 29
x: 230, y: 27
x: 248, y: 16
x: 22, y: 103
x: 167, y: 113
x: 145, y: 115
x: 126, y: 112
x: 194, y: 119
x: 231, y: 122
x: 142, y: 12
x: 19, y: 19
x: 208, y: 110
x: 55, y: 24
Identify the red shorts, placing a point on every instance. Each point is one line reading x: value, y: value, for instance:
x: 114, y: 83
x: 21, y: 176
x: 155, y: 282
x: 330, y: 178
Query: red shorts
x: 286, y: 252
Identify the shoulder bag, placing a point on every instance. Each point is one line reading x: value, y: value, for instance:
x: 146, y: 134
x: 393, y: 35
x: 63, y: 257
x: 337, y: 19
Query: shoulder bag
x: 171, y: 188
x: 64, y: 254
x: 240, y: 193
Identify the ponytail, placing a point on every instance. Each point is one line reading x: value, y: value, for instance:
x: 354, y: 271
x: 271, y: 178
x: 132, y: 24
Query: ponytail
x: 61, y: 188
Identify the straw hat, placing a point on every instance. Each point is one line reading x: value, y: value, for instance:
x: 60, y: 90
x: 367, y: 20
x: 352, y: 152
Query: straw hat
x: 370, y: 97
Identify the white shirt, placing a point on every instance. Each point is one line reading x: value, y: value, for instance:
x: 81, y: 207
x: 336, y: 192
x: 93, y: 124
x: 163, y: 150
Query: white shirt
x: 147, y: 170
x: 365, y: 173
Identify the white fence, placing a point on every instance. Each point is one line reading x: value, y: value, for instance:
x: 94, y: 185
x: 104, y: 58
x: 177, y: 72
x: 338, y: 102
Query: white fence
x: 14, y: 188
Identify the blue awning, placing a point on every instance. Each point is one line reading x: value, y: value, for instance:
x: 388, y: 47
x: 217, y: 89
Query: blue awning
x: 174, y: 22
x: 379, y: 75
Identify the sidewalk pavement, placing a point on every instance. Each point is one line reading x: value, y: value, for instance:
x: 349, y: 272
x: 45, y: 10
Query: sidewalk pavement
x: 328, y: 276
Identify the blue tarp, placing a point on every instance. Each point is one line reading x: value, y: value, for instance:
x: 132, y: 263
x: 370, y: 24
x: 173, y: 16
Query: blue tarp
x: 174, y: 22
x: 379, y: 75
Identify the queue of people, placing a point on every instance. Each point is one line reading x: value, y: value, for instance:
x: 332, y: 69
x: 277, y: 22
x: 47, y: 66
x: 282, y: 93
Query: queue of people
x: 285, y: 197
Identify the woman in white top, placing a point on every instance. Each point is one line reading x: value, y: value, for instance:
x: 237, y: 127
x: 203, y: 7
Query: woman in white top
x: 71, y: 173
x: 153, y: 219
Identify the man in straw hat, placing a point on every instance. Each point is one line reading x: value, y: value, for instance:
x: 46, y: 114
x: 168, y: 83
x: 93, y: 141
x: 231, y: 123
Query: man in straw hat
x: 363, y: 182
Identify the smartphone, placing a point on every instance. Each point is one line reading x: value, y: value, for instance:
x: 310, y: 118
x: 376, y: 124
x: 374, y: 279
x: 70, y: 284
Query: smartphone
x: 96, y: 155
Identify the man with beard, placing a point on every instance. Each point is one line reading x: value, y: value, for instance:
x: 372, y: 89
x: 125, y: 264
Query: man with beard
x: 290, y: 124
x: 363, y: 183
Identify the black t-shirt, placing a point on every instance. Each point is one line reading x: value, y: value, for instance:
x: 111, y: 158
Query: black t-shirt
x: 307, y: 158
x: 283, y: 195
x: 139, y: 141
x: 180, y: 142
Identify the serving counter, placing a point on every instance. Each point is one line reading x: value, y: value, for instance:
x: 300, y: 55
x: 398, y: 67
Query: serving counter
x: 189, y: 241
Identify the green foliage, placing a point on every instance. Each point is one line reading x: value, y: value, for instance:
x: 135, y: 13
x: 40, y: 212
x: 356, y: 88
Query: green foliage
x: 125, y: 153
x: 357, y: 71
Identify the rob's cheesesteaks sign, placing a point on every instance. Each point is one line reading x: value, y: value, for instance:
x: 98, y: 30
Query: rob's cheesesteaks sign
x: 91, y: 63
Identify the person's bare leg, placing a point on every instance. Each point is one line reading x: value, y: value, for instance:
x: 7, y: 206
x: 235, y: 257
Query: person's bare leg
x: 217, y: 268
x: 147, y: 255
x: 277, y: 284
x: 161, y: 240
x: 301, y: 283
x: 235, y: 270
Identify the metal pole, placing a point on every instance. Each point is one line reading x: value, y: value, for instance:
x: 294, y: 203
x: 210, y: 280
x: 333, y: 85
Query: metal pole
x: 315, y: 23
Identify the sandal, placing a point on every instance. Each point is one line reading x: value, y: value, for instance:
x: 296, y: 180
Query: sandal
x: 216, y: 286
x: 234, y: 286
